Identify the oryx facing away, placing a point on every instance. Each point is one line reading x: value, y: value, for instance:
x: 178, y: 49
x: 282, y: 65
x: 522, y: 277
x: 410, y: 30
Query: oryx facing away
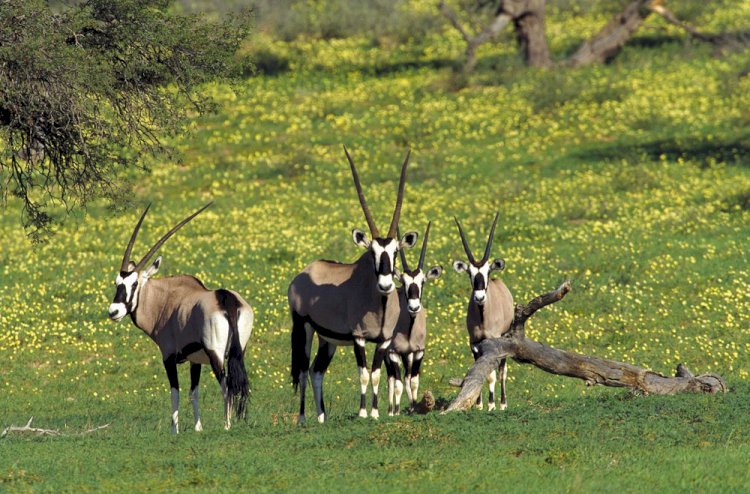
x: 189, y: 323
x: 490, y: 311
x: 409, y: 337
x: 348, y: 304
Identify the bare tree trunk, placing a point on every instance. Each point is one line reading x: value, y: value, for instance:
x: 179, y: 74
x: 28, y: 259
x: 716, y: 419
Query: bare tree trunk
x: 593, y: 370
x: 528, y: 20
x: 607, y: 42
x: 473, y: 42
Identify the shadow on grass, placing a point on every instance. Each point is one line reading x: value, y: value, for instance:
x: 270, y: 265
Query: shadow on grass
x: 704, y: 153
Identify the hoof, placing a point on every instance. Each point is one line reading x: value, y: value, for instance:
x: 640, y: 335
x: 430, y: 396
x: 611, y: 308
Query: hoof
x: 479, y: 407
x: 503, y: 406
x: 198, y: 426
x: 227, y: 427
x: 321, y: 418
x: 490, y: 407
x: 375, y: 414
x: 301, y: 420
x: 362, y: 413
x: 390, y: 414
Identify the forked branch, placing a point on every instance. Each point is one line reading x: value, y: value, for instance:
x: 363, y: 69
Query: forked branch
x: 593, y: 370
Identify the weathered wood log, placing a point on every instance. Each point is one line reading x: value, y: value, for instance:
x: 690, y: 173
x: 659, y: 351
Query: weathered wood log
x: 607, y: 42
x: 593, y: 370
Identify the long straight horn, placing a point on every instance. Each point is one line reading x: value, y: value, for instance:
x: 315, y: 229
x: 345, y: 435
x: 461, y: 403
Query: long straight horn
x: 166, y: 237
x: 399, y: 198
x: 368, y: 216
x: 489, y: 240
x: 126, y: 257
x: 424, y: 246
x: 463, y: 241
x: 404, y: 264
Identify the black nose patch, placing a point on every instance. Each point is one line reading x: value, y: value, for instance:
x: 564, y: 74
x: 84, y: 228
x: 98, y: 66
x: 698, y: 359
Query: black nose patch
x: 413, y: 291
x: 479, y: 283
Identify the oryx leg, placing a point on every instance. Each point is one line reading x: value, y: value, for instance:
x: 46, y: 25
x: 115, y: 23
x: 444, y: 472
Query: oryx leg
x: 377, y: 363
x: 195, y: 377
x: 304, y: 371
x: 407, y: 359
x: 170, y: 365
x: 364, y: 376
x: 503, y: 377
x: 217, y: 366
x: 414, y: 378
x: 395, y: 369
x: 391, y: 364
x: 320, y: 365
x: 491, y: 379
x: 475, y: 352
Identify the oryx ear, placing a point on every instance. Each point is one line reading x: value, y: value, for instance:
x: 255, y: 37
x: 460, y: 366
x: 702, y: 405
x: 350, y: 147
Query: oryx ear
x: 460, y: 266
x: 497, y: 265
x: 409, y: 240
x: 434, y: 272
x: 131, y: 266
x: 397, y: 273
x: 153, y: 269
x: 360, y: 238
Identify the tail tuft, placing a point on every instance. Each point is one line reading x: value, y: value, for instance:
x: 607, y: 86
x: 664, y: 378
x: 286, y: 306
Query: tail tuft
x: 238, y: 385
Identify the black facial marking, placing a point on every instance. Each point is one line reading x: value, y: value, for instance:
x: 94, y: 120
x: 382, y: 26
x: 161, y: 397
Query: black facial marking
x: 384, y: 268
x: 479, y: 283
x: 120, y: 294
x: 413, y: 291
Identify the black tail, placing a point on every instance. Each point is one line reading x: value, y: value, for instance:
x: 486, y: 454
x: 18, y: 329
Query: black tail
x: 300, y: 359
x: 238, y: 385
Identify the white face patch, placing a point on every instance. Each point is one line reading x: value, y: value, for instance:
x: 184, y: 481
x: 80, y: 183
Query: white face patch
x: 385, y: 280
x: 414, y: 305
x: 483, y: 271
x: 119, y: 307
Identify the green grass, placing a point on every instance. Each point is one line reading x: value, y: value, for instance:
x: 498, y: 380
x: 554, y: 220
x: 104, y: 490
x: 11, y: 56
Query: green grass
x: 630, y: 179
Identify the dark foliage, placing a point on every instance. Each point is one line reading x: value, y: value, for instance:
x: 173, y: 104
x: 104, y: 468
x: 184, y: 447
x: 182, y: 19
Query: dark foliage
x: 88, y: 91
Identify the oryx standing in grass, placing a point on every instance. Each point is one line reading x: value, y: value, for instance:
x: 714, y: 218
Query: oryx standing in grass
x: 410, y: 335
x: 348, y: 304
x: 189, y: 323
x: 490, y: 311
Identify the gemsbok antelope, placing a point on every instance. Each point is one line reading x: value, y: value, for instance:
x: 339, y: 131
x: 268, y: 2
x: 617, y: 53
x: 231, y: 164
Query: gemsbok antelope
x: 348, y: 304
x: 189, y: 323
x: 490, y: 311
x: 409, y: 337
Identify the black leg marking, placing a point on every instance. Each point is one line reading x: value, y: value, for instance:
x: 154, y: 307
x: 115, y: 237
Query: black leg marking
x: 195, y: 376
x: 170, y: 365
x: 361, y: 355
x: 476, y: 356
x: 323, y: 358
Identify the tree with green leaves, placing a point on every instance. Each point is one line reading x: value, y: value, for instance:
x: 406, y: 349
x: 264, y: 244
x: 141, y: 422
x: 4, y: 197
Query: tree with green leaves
x: 88, y: 91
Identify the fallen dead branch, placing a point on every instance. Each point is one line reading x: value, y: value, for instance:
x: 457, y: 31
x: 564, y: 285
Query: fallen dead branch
x: 593, y: 370
x: 44, y: 432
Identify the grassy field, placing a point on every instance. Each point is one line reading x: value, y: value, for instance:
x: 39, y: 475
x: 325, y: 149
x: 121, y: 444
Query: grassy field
x: 631, y: 179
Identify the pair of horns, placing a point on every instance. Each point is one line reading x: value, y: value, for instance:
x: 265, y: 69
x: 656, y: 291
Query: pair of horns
x: 421, y: 255
x: 489, y: 242
x: 147, y: 257
x: 392, y: 231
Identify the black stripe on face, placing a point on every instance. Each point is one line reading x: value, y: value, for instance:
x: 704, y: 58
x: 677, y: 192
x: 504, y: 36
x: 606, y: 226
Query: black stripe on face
x: 120, y: 294
x: 413, y: 291
x: 384, y: 267
x: 479, y: 282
